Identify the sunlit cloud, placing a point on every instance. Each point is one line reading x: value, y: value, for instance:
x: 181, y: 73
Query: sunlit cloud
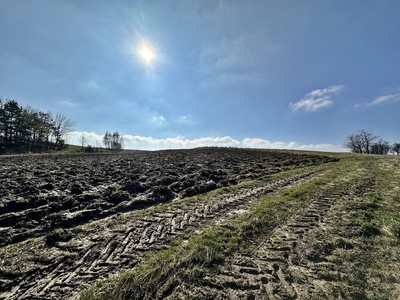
x: 260, y: 143
x: 265, y: 144
x: 180, y: 142
x: 317, y: 99
x: 322, y: 147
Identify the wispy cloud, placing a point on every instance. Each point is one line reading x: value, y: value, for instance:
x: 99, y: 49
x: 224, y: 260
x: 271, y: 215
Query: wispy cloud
x: 317, y: 99
x: 385, y: 98
x: 90, y: 86
x: 158, y: 120
x: 180, y: 142
x: 67, y: 103
x: 241, y: 59
x: 185, y: 120
x: 223, y: 6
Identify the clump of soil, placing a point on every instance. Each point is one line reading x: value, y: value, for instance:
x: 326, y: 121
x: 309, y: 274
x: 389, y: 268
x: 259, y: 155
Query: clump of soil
x: 85, y: 209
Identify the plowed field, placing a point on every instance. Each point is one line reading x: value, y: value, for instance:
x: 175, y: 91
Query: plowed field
x: 67, y: 221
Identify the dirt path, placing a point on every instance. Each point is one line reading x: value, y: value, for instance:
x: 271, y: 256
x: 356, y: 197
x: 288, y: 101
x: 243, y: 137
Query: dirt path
x: 120, y: 242
x: 291, y: 263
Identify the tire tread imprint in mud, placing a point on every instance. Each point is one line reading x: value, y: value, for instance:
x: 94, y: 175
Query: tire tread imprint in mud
x: 291, y: 262
x: 52, y: 202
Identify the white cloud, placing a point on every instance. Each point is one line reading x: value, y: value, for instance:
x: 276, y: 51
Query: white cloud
x: 317, y: 99
x: 180, y: 142
x: 385, y: 98
x: 91, y: 137
x: 322, y: 147
x: 379, y: 100
x: 260, y: 143
x: 158, y: 120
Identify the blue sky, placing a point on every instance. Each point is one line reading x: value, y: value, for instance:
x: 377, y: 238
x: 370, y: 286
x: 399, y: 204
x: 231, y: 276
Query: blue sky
x: 270, y: 74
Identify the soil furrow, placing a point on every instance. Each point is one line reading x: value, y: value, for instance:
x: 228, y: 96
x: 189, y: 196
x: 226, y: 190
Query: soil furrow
x: 68, y: 220
x: 118, y: 249
x: 44, y: 192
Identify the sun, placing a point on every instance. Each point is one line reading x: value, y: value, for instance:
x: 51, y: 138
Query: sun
x: 147, y: 54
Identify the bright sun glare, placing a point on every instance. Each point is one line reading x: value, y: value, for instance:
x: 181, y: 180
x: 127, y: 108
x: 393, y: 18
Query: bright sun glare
x: 147, y: 54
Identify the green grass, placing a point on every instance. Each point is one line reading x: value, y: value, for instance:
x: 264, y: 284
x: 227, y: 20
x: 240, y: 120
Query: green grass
x: 187, y: 260
x: 73, y: 148
x: 372, y: 264
x: 373, y: 254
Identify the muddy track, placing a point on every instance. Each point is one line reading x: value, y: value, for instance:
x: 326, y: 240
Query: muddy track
x: 42, y: 193
x: 290, y: 263
x: 120, y: 242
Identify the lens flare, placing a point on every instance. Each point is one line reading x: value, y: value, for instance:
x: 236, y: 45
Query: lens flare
x: 147, y: 54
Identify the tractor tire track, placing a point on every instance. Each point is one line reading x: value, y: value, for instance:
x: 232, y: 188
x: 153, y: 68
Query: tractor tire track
x: 290, y: 264
x: 120, y: 245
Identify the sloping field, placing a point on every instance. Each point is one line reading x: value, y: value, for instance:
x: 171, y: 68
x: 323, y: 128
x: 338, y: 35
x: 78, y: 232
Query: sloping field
x: 199, y: 224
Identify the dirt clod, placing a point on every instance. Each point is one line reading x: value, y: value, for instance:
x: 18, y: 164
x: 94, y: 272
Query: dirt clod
x: 68, y: 220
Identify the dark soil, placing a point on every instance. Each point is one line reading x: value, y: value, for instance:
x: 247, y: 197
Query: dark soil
x: 68, y: 220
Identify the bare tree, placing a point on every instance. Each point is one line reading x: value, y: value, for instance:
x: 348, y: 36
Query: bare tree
x: 360, y: 142
x: 353, y: 142
x: 396, y: 148
x: 83, y: 141
x: 380, y: 147
x: 62, y: 126
x: 97, y: 145
x: 367, y: 138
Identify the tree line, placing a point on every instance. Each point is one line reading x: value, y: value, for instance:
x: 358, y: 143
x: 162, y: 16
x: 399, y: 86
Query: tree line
x: 112, y: 141
x: 365, y: 141
x: 25, y: 128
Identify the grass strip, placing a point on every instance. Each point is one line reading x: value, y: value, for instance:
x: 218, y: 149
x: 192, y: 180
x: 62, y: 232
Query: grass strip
x: 186, y: 261
x: 373, y: 265
x: 381, y: 260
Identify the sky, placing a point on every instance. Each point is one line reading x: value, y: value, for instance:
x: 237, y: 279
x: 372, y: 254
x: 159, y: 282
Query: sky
x: 190, y: 73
